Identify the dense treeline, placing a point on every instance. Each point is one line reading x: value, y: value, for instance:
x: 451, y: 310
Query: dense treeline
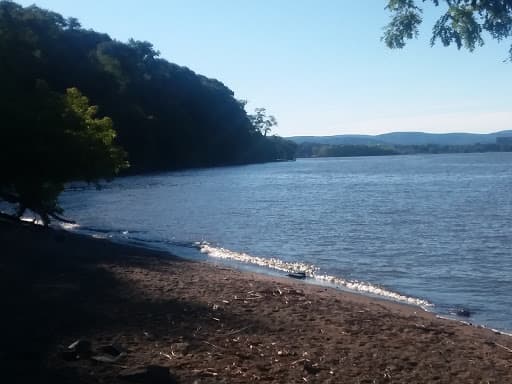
x: 78, y: 105
x: 343, y: 150
x: 435, y: 148
x: 166, y: 116
x: 327, y: 150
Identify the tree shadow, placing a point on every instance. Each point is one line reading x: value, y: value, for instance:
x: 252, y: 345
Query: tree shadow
x: 54, y: 290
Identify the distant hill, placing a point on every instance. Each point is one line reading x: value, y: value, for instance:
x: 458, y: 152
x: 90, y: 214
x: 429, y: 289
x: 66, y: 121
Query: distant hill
x: 405, y: 138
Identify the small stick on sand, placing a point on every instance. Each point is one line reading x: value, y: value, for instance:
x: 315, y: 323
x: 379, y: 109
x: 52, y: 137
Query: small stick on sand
x: 213, y: 345
x: 166, y: 355
x: 237, y: 331
x: 505, y: 348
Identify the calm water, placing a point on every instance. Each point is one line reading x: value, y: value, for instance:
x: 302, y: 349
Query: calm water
x: 435, y: 227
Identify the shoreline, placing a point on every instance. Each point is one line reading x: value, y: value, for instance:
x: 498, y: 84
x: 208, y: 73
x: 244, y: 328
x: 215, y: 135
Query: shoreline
x: 276, y: 274
x: 315, y: 280
x: 209, y: 323
x: 269, y: 267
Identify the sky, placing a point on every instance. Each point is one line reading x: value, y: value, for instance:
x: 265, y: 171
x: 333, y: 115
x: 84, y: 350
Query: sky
x: 318, y: 66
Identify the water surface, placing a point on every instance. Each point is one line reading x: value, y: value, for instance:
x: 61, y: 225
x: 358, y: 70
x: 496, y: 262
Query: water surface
x: 436, y: 228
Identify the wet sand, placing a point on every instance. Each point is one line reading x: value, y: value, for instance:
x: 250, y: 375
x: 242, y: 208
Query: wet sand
x: 210, y: 324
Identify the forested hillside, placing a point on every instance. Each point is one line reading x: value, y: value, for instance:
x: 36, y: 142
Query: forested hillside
x: 406, y: 138
x: 78, y: 105
x: 349, y: 150
x: 166, y: 116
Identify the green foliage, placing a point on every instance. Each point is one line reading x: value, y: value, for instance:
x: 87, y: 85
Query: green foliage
x: 261, y: 122
x: 404, y: 24
x: 49, y: 139
x: 90, y: 140
x: 166, y: 116
x: 436, y: 148
x: 272, y: 148
x: 462, y: 23
x: 344, y: 150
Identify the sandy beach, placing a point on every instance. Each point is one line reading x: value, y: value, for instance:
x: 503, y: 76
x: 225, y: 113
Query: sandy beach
x: 147, y: 316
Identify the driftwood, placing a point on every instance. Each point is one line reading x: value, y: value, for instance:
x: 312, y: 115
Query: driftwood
x: 12, y: 199
x: 502, y: 346
x: 60, y: 218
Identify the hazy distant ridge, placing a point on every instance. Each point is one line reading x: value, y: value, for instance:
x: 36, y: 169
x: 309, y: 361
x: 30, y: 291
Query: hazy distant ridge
x: 405, y: 138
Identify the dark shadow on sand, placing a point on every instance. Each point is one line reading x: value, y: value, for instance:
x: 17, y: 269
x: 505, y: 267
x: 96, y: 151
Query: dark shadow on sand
x: 53, y: 291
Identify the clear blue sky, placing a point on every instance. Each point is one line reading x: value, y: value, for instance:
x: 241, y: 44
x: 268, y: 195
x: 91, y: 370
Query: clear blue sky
x: 317, y: 65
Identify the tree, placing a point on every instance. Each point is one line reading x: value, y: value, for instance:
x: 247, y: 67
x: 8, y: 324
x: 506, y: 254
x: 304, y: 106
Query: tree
x: 261, y: 122
x: 166, y: 116
x: 462, y: 23
x: 50, y: 139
